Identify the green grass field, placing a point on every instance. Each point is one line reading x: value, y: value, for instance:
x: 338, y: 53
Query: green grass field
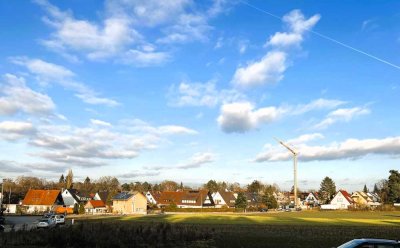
x: 306, y: 218
x: 307, y: 229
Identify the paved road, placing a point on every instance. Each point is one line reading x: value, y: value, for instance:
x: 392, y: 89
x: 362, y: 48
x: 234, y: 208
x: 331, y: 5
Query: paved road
x: 21, y: 222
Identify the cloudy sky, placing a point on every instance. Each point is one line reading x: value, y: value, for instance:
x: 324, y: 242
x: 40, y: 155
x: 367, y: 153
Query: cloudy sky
x: 196, y: 90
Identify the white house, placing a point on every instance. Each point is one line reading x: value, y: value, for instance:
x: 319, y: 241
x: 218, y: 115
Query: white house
x: 152, y: 197
x: 224, y: 198
x: 72, y: 197
x: 310, y: 200
x: 342, y: 200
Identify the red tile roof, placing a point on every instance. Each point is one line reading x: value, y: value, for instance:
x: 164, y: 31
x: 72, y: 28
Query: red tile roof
x: 95, y: 204
x: 346, y: 195
x: 41, y: 197
x: 183, y: 197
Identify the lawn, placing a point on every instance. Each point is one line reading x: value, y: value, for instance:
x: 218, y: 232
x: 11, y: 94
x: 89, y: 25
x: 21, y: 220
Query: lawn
x: 307, y: 229
x: 306, y: 218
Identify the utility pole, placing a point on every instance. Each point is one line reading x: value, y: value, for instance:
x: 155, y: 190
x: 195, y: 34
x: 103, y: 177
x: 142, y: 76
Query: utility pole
x: 294, y: 169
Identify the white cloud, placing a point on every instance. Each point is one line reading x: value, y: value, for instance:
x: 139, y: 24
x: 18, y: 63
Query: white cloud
x: 285, y: 39
x: 266, y: 71
x: 97, y: 41
x: 13, y: 130
x: 149, y: 13
x: 297, y: 25
x: 173, y: 129
x: 142, y: 126
x: 100, y: 123
x: 297, y: 22
x: 197, y: 160
x: 116, y: 36
x: 305, y: 138
x: 16, y: 97
x: 271, y: 67
x: 47, y: 73
x: 342, y: 115
x: 242, y: 117
x: 318, y: 104
x: 201, y: 94
x: 189, y: 27
x: 144, y: 58
x: 348, y: 149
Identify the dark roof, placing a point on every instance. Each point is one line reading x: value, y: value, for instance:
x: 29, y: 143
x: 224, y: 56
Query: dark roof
x: 228, y: 196
x: 123, y: 196
x: 103, y: 195
x: 73, y: 193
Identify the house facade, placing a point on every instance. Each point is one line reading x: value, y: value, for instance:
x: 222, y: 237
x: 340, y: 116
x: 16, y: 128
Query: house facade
x: 310, y: 200
x: 72, y: 197
x: 130, y: 203
x: 362, y: 199
x: 187, y: 199
x: 39, y: 201
x: 95, y: 207
x: 342, y: 200
x: 153, y: 197
x: 224, y: 199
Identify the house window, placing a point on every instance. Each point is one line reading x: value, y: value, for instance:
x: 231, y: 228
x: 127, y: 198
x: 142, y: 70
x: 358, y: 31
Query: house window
x: 340, y: 199
x: 188, y: 201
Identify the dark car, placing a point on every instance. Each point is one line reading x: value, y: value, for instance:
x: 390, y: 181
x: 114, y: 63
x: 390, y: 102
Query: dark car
x: 2, y: 220
x: 1, y: 228
x: 371, y: 243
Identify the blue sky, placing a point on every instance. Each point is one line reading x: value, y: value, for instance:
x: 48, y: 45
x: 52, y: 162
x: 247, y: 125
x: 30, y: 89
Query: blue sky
x: 196, y: 90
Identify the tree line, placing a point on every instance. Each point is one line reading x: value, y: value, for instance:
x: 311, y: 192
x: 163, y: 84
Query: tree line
x: 387, y: 189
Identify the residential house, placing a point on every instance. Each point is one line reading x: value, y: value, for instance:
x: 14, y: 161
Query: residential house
x: 253, y: 199
x: 362, y: 199
x: 224, y: 199
x: 153, y: 197
x: 130, y: 203
x: 101, y: 195
x: 187, y: 199
x: 95, y: 207
x: 342, y: 200
x: 310, y: 200
x: 72, y: 197
x: 11, y: 202
x: 37, y: 201
x: 281, y: 198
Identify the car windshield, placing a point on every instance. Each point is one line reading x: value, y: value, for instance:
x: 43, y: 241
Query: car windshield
x: 43, y: 220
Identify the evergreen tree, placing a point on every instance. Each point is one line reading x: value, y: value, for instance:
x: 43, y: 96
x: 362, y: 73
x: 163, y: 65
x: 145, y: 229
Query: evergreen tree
x: 181, y: 186
x: 327, y: 189
x: 87, y: 181
x: 269, y: 200
x: 365, y: 190
x: 211, y: 186
x: 241, y: 201
x: 376, y: 190
x: 394, y: 186
x: 62, y: 179
x: 255, y: 187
